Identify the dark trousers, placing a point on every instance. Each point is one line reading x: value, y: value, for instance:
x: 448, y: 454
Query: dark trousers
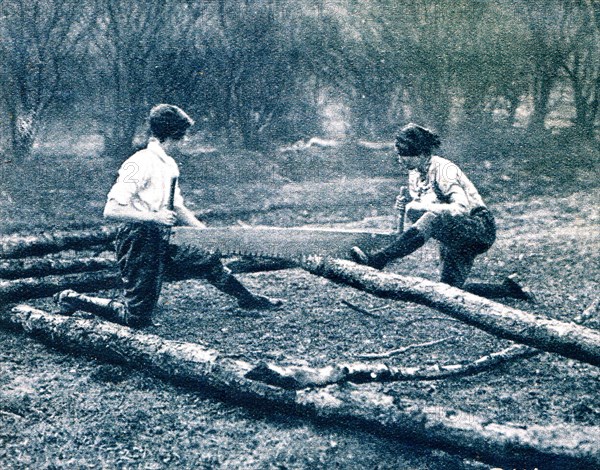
x: 145, y: 258
x: 461, y: 239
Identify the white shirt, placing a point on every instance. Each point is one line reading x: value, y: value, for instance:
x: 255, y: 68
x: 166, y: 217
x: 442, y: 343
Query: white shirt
x: 445, y: 183
x: 144, y: 180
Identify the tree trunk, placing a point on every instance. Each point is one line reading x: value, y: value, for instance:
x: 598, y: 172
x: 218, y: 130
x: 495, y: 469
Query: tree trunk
x: 20, y: 246
x: 36, y: 288
x: 200, y: 368
x: 299, y: 377
x: 254, y: 265
x: 39, y: 267
x: 567, y: 339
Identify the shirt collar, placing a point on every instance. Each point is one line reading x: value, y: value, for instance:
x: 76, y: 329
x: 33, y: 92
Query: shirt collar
x: 155, y: 147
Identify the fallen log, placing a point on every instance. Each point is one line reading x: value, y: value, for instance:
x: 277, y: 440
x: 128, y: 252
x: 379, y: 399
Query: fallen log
x: 567, y: 339
x: 37, y: 288
x: 254, y: 265
x: 17, y: 290
x: 39, y: 267
x: 201, y: 368
x: 299, y: 377
x: 21, y: 246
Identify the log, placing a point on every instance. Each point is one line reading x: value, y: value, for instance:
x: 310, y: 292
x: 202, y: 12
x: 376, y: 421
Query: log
x: 248, y: 264
x: 39, y: 267
x: 299, y: 377
x: 36, y: 288
x: 538, y: 331
x: 20, y: 246
x: 200, y: 368
x: 17, y: 290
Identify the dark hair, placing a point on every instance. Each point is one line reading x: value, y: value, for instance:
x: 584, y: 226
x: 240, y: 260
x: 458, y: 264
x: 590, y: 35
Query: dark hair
x: 169, y: 121
x: 416, y: 140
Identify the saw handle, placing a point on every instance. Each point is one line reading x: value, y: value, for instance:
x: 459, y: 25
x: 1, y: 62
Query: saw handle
x: 400, y: 206
x: 171, y: 200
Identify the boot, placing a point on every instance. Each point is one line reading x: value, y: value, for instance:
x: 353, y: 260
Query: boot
x: 408, y: 242
x: 510, y: 288
x: 70, y: 301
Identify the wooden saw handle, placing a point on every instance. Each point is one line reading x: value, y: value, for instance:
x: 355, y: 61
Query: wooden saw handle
x: 171, y: 201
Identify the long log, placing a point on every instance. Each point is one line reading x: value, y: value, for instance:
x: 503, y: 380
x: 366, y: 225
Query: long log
x: 39, y: 267
x: 20, y: 246
x: 299, y: 377
x: 37, y: 288
x: 538, y: 331
x: 84, y: 275
x: 201, y: 368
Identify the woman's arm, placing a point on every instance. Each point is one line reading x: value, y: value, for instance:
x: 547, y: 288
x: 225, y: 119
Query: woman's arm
x: 458, y: 204
x: 125, y: 213
x: 187, y: 217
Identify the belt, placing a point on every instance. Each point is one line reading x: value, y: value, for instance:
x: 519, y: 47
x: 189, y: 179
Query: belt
x: 478, y: 210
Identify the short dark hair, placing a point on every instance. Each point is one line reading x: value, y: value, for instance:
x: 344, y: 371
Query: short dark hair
x: 169, y: 121
x: 416, y: 140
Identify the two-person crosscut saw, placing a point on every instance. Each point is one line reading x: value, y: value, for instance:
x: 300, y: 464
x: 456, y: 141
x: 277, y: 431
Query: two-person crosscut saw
x: 292, y: 243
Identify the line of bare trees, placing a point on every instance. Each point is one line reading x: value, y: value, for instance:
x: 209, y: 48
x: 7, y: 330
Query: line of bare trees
x: 263, y: 71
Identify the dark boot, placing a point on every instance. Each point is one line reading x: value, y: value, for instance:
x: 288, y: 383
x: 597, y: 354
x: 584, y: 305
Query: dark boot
x: 228, y: 284
x: 70, y: 301
x: 510, y: 288
x: 406, y: 243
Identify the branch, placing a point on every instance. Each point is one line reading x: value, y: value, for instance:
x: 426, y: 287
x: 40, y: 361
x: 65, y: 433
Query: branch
x: 360, y: 309
x: 398, y: 351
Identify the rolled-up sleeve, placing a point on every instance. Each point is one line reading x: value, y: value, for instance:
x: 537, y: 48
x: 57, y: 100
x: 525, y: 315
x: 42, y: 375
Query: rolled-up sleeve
x: 178, y: 198
x: 131, y: 178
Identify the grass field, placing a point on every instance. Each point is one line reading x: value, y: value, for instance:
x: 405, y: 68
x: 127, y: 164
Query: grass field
x: 60, y: 411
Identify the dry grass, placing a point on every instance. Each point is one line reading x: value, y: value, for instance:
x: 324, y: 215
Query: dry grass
x: 60, y: 411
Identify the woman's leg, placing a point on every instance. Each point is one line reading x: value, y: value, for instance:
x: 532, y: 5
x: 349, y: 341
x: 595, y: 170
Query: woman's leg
x: 141, y: 251
x: 406, y: 243
x: 140, y: 256
x: 186, y: 263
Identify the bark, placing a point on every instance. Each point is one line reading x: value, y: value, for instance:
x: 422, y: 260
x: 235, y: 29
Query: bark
x: 36, y: 288
x: 254, y: 265
x: 17, y: 290
x: 299, y: 377
x: 22, y: 268
x: 567, y: 339
x: 201, y: 368
x: 20, y: 246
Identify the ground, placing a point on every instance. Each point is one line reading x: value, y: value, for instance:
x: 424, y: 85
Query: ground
x: 60, y: 411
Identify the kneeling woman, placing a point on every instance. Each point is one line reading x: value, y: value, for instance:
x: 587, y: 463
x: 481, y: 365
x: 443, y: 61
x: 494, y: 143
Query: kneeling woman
x: 445, y: 206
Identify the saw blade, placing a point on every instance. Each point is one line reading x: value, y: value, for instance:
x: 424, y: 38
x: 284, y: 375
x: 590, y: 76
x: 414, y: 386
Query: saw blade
x: 278, y: 242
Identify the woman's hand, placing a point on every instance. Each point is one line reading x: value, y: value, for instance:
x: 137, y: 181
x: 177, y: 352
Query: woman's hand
x: 165, y: 217
x: 415, y: 209
x: 402, y: 198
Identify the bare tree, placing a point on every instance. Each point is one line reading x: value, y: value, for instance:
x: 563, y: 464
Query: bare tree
x: 37, y: 36
x: 582, y: 62
x: 129, y: 39
x: 545, y: 52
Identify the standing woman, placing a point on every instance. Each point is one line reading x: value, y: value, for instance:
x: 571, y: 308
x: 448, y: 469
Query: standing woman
x: 445, y: 206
